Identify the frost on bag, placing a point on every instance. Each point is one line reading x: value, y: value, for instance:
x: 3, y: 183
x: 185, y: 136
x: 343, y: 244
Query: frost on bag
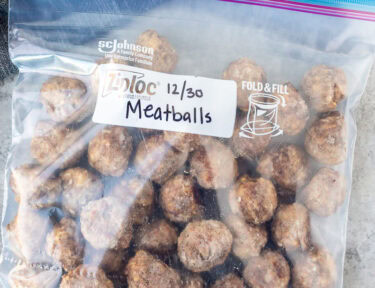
x: 182, y: 143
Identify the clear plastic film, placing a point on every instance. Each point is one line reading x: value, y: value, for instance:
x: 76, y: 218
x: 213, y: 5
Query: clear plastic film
x: 151, y: 191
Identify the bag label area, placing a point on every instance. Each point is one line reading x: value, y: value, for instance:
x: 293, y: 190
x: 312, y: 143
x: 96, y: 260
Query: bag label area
x: 135, y: 97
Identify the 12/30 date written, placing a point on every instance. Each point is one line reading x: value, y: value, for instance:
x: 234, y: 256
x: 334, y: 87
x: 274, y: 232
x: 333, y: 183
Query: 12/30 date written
x: 184, y: 91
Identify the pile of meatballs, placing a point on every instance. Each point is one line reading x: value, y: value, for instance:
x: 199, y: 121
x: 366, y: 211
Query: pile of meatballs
x: 124, y: 207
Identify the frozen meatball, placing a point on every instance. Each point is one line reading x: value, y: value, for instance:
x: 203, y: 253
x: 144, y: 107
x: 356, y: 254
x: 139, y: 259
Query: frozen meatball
x: 108, y: 260
x: 79, y: 188
x: 178, y: 199
x: 244, y: 71
x: 157, y: 237
x: 32, y: 276
x: 36, y: 186
x: 325, y: 192
x: 138, y: 196
x: 229, y: 281
x: 325, y: 87
x: 204, y: 244
x: 326, y: 139
x: 86, y: 276
x: 65, y: 244
x: 292, y: 116
x: 214, y: 165
x: 105, y: 224
x: 157, y: 160
x: 191, y: 280
x: 253, y: 199
x: 248, y: 239
x: 164, y: 55
x: 66, y: 99
x: 110, y: 150
x: 248, y: 148
x: 287, y: 165
x: 291, y: 227
x: 57, y: 144
x: 146, y: 271
x: 314, y: 269
x: 182, y: 141
x: 269, y: 270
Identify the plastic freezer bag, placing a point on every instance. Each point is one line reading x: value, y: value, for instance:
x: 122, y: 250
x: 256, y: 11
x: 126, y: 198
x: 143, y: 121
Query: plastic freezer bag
x: 182, y: 143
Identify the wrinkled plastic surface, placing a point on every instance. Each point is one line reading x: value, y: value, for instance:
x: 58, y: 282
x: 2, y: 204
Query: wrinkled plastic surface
x: 207, y: 37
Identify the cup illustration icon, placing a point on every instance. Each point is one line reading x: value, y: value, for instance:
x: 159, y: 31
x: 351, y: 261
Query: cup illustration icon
x: 262, y: 116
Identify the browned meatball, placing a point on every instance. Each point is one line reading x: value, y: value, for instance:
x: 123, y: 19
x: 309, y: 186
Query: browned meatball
x: 325, y: 87
x: 178, y: 199
x: 138, y: 196
x: 182, y: 141
x: 287, y: 165
x: 79, y: 188
x: 105, y: 224
x: 157, y: 160
x: 109, y: 151
x: 291, y: 227
x: 326, y: 139
x: 242, y: 70
x: 248, y: 148
x: 57, y: 144
x: 35, y: 186
x: 32, y: 276
x: 248, y: 239
x: 65, y: 244
x: 214, y: 165
x: 269, y: 270
x: 191, y: 280
x: 66, y: 99
x: 86, y: 276
x: 229, y: 281
x: 325, y: 192
x: 146, y: 271
x: 157, y: 237
x: 253, y: 199
x: 204, y: 244
x: 314, y: 269
x: 164, y: 57
x: 293, y: 116
x: 107, y: 259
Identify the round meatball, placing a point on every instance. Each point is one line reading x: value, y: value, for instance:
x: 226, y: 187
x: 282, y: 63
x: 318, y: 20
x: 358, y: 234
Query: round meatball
x: 157, y: 237
x: 66, y: 99
x: 325, y: 87
x: 292, y: 117
x: 146, y: 271
x: 204, y: 244
x: 32, y: 276
x: 291, y: 227
x: 244, y: 70
x: 269, y: 270
x: 287, y: 165
x: 108, y: 260
x: 65, y: 244
x: 182, y: 141
x: 314, y: 269
x: 105, y: 224
x: 56, y: 144
x: 326, y: 139
x: 86, y: 276
x: 35, y: 186
x: 138, y: 196
x: 229, y: 281
x: 214, y: 165
x: 248, y: 239
x: 253, y: 199
x: 79, y: 188
x: 157, y: 160
x: 325, y: 192
x: 110, y: 150
x: 248, y: 148
x: 191, y: 280
x: 164, y: 57
x: 178, y: 199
